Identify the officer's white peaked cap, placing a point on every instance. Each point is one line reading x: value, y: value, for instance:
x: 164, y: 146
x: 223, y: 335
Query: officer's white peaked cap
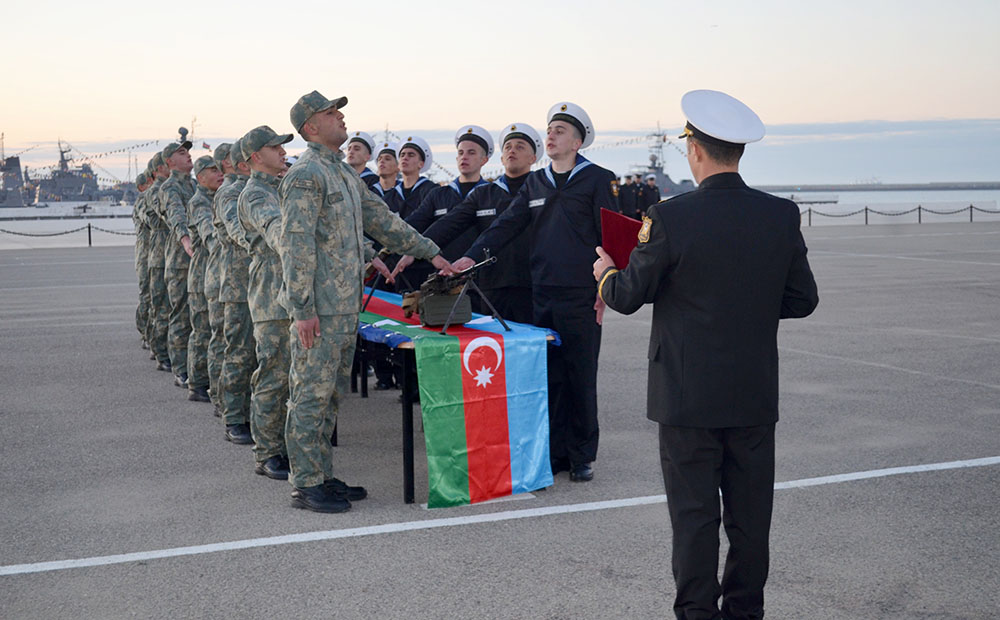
x: 364, y: 138
x: 384, y: 146
x: 720, y: 117
x: 421, y: 145
x: 476, y: 134
x: 574, y: 115
x: 524, y: 131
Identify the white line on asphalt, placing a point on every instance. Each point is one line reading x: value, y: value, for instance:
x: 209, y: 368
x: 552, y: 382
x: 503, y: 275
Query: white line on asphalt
x: 394, y: 528
x: 66, y: 286
x: 74, y: 262
x: 921, y: 373
x: 897, y: 257
x: 956, y: 234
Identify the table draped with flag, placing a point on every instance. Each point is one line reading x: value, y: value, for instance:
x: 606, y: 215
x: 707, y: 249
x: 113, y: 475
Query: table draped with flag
x: 483, y: 399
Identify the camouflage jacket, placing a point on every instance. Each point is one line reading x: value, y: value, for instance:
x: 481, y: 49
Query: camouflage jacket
x: 236, y: 262
x: 260, y: 218
x: 326, y: 210
x: 219, y: 249
x: 174, y: 196
x: 139, y: 214
x: 200, y: 229
x: 157, y: 229
x: 154, y: 215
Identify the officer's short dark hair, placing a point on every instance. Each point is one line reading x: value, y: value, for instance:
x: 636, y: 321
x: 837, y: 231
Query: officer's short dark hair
x: 724, y: 154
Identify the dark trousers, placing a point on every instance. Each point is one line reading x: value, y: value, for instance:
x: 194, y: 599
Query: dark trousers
x: 697, y: 463
x: 513, y: 303
x: 572, y: 370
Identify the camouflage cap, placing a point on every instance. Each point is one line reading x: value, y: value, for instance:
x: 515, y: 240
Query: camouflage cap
x: 259, y: 137
x: 236, y: 153
x: 307, y: 105
x: 172, y: 148
x: 140, y: 178
x: 158, y: 160
x: 221, y: 153
x: 205, y: 161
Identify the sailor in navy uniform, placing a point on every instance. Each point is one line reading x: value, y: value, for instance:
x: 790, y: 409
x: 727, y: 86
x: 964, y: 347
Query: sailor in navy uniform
x: 722, y: 265
x: 649, y: 195
x: 415, y: 158
x: 388, y: 169
x: 560, y: 206
x: 506, y: 283
x: 358, y: 153
x: 474, y: 147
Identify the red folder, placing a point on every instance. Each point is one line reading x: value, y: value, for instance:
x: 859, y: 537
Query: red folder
x: 619, y: 236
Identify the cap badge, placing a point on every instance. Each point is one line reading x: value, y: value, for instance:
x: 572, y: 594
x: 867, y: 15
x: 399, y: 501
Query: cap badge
x: 563, y: 107
x: 513, y: 127
x: 644, y: 231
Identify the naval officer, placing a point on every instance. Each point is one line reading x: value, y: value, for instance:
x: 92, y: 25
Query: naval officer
x: 360, y: 147
x: 722, y: 265
x: 561, y: 206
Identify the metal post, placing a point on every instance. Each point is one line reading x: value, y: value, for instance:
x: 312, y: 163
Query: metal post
x: 919, y: 218
x: 90, y: 242
x: 810, y: 212
x: 970, y: 213
x: 408, y: 362
x: 866, y: 215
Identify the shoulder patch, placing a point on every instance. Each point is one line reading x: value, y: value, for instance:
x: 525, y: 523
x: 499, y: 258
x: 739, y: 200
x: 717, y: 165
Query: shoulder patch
x: 614, y: 187
x: 647, y: 224
x: 304, y: 183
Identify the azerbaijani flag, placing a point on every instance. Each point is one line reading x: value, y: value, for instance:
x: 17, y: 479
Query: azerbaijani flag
x: 484, y: 401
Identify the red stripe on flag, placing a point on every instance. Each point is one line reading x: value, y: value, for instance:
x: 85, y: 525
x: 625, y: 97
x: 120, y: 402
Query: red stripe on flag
x: 484, y: 387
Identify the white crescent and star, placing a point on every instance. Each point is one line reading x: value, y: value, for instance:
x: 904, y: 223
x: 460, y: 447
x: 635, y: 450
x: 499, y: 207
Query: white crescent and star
x: 483, y: 375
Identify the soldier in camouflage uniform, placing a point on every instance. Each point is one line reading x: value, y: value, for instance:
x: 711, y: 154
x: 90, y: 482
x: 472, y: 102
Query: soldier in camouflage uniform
x: 213, y: 277
x: 199, y: 216
x: 326, y: 211
x: 141, y: 257
x: 239, y: 359
x: 159, y: 303
x: 260, y: 219
x: 175, y: 193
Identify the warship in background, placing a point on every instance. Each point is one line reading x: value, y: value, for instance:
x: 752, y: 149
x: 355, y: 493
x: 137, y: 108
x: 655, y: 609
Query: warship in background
x: 65, y: 183
x: 668, y: 187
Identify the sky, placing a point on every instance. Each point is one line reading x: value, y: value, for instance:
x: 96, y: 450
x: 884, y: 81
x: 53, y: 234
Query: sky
x: 849, y: 90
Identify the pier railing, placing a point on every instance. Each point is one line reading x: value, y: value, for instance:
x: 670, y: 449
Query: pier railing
x: 920, y: 210
x: 90, y: 228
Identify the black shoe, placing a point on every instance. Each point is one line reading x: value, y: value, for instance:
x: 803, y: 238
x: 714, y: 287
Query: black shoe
x: 342, y: 489
x: 384, y: 385
x: 239, y: 434
x: 181, y: 380
x: 152, y: 355
x: 275, y: 467
x: 581, y: 472
x: 319, y: 498
x: 164, y: 365
x: 199, y: 394
x: 559, y: 465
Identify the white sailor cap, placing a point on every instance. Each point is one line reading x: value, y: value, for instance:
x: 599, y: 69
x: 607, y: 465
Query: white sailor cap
x: 476, y: 134
x: 650, y: 176
x: 574, y: 115
x: 718, y: 118
x: 363, y: 138
x: 416, y: 142
x: 385, y: 147
x: 525, y: 132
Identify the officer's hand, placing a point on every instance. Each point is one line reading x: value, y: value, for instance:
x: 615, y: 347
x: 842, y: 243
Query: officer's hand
x: 599, y: 307
x: 186, y: 242
x: 402, y: 264
x: 308, y: 331
x: 463, y: 263
x: 603, y: 262
x: 443, y: 266
x: 382, y: 269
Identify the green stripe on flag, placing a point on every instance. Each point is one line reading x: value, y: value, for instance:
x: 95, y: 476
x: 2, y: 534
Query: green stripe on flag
x: 439, y: 366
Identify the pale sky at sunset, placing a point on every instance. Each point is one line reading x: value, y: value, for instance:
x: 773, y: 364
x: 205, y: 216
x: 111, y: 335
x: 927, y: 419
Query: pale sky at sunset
x: 112, y: 72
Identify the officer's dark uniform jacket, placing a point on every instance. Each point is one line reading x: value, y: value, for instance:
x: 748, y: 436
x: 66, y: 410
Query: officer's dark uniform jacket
x: 565, y: 223
x: 476, y: 213
x: 721, y: 266
x: 405, y: 202
x: 628, y: 199
x: 648, y: 196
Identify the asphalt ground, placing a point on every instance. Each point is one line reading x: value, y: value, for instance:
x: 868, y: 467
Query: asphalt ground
x: 897, y: 368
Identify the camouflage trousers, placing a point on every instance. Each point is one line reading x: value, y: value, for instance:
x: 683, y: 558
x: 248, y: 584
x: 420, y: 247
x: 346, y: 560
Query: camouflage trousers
x: 159, y: 314
x: 238, y: 363
x: 316, y: 381
x: 197, y: 345
x: 269, y: 385
x: 180, y: 318
x: 142, y: 273
x: 216, y: 346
